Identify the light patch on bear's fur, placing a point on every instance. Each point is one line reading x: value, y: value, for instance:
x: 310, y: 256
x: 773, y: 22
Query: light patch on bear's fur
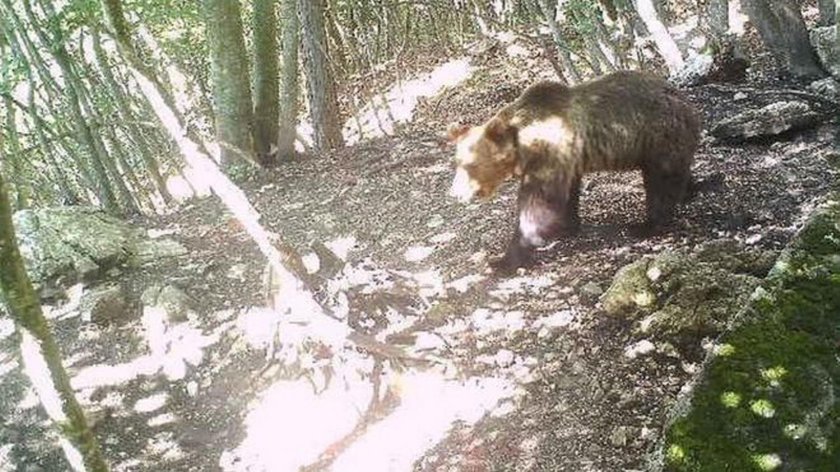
x: 465, y: 153
x: 463, y: 187
x: 529, y: 226
x: 553, y: 131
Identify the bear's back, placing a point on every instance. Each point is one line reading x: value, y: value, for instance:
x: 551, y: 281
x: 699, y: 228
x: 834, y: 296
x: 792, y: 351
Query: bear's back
x: 611, y: 123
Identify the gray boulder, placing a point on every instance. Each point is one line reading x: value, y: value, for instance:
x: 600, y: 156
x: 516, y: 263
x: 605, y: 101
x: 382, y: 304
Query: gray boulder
x: 695, y: 71
x: 827, y: 87
x: 69, y: 244
x: 724, y: 61
x: 65, y: 245
x: 824, y: 40
x: 771, y: 120
x: 687, y: 294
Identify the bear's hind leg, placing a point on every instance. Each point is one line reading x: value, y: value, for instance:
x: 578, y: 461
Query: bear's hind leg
x: 664, y: 189
x: 570, y: 222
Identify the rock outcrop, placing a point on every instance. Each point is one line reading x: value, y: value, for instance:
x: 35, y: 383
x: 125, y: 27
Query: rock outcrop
x: 767, y: 397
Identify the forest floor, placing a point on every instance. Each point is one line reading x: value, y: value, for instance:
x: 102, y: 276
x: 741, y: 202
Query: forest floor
x: 533, y: 374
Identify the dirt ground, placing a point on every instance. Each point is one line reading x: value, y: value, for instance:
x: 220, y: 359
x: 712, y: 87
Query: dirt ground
x: 578, y: 402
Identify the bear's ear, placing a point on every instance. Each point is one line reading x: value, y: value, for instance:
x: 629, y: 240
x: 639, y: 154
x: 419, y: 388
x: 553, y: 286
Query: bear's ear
x: 456, y: 131
x: 500, y: 131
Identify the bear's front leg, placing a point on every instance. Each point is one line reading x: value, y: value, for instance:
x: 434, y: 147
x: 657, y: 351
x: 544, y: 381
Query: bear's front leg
x: 519, y: 253
x: 540, y: 220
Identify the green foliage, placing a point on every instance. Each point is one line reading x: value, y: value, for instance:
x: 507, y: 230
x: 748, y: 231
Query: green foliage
x: 78, y: 14
x: 581, y: 14
x: 12, y: 72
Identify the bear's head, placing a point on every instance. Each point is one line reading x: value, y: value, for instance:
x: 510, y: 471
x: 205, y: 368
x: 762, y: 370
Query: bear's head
x: 485, y: 157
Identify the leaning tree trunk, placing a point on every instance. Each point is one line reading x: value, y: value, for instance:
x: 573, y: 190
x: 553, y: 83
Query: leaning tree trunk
x: 323, y: 104
x: 21, y: 190
x: 231, y: 89
x: 661, y: 37
x: 569, y: 69
x: 109, y: 160
x: 714, y: 18
x: 67, y: 195
x: 55, y: 45
x: 780, y: 24
x: 127, y: 116
x: 41, y: 351
x: 266, y: 87
x: 294, y: 293
x: 289, y: 100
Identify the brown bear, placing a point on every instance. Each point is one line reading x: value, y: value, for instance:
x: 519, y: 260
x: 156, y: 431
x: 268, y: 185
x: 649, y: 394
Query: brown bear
x: 553, y: 134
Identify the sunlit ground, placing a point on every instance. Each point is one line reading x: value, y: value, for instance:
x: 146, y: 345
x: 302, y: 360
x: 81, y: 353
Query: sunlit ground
x: 292, y: 427
x: 398, y: 103
x: 324, y: 423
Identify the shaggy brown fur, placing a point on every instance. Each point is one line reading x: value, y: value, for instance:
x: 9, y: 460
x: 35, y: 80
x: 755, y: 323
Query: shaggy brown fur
x: 553, y: 134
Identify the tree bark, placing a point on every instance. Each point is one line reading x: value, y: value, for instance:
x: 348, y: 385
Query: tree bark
x: 21, y: 191
x: 569, y: 70
x: 266, y: 83
x: 55, y: 44
x: 127, y: 115
x: 714, y: 18
x: 323, y: 104
x: 780, y: 24
x: 661, y: 37
x: 837, y: 20
x: 827, y: 12
x: 337, y: 49
x: 68, y: 196
x: 232, y: 106
x: 290, y: 87
x: 22, y: 303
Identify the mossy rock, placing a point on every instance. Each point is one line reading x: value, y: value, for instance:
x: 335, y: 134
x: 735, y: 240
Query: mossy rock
x: 66, y: 244
x: 687, y: 294
x: 768, y: 397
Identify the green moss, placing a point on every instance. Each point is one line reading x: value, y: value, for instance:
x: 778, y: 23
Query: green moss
x: 771, y: 402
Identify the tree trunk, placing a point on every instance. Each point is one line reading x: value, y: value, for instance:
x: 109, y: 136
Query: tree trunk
x: 57, y: 395
x: 606, y: 43
x: 68, y: 196
x: 661, y: 37
x: 827, y: 12
x: 55, y: 45
x: 139, y: 193
x: 569, y: 70
x: 109, y: 159
x: 837, y: 21
x: 714, y: 18
x: 21, y: 191
x: 337, y: 49
x: 266, y: 86
x: 127, y: 115
x: 290, y: 89
x: 231, y: 89
x: 323, y: 105
x: 780, y: 24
